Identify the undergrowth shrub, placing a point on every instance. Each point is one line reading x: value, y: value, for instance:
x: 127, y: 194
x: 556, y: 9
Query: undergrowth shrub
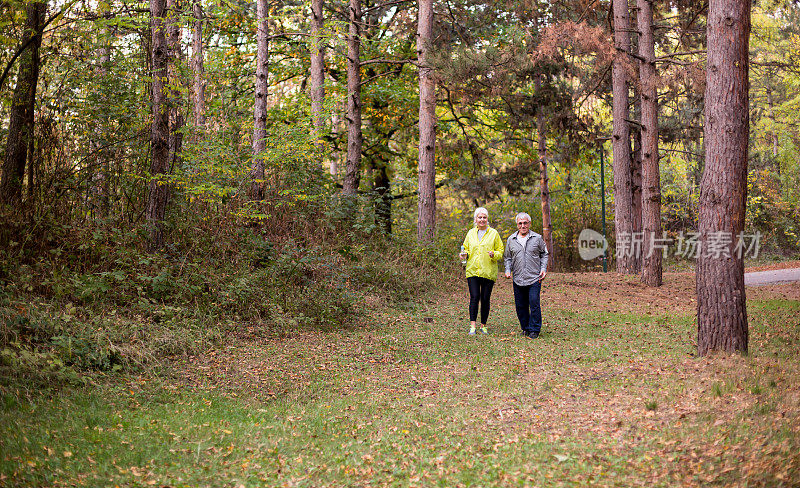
x: 79, y: 294
x: 104, y: 305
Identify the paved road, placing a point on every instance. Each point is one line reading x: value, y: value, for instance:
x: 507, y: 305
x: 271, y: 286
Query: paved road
x: 772, y: 277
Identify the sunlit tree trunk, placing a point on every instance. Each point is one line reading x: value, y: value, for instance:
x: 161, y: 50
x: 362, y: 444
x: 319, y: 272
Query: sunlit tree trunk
x: 23, y: 104
x: 198, y: 68
x: 621, y: 139
x: 427, y: 127
x: 260, y: 104
x: 158, y: 192
x: 544, y: 186
x: 651, y: 186
x: 354, y: 135
x: 317, y: 78
x: 721, y: 305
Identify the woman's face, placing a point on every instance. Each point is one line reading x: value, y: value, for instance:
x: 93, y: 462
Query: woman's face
x: 482, y: 220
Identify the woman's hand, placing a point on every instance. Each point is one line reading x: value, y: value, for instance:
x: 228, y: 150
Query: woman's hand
x: 491, y: 254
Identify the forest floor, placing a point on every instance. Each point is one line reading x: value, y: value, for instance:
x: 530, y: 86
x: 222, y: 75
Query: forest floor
x: 611, y: 394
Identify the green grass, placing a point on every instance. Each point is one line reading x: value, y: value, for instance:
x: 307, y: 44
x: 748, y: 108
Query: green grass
x: 600, y: 399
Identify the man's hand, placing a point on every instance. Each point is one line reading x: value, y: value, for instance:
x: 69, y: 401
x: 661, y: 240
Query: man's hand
x: 508, y: 274
x: 542, y: 275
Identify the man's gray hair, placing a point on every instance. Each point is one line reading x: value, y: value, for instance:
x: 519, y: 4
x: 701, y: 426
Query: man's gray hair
x: 522, y: 215
x: 480, y: 210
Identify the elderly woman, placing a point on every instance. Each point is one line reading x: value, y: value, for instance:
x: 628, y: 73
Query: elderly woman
x: 482, y: 249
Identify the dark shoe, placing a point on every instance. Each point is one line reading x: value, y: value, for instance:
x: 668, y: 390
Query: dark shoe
x: 533, y: 335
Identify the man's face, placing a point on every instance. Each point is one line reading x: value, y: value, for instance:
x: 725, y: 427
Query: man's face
x: 523, y: 226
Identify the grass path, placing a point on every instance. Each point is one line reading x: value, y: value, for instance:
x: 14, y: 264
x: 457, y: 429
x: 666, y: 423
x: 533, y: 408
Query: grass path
x: 610, y: 395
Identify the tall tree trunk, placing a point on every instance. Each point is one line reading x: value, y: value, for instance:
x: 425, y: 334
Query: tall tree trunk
x: 158, y: 192
x: 102, y: 184
x: 636, y: 180
x: 176, y: 119
x: 721, y: 305
x: 771, y: 106
x: 317, y: 78
x: 621, y: 139
x: 427, y: 127
x: 198, y: 68
x: 260, y: 104
x: 23, y: 104
x: 651, y: 186
x: 544, y: 187
x: 354, y: 135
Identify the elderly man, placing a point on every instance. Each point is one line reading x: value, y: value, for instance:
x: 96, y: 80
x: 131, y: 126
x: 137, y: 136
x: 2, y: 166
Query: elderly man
x: 526, y: 258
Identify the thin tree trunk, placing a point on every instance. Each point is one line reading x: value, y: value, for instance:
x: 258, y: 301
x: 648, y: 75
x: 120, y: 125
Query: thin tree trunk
x: 260, y: 104
x: 354, y: 135
x: 198, y: 68
x: 721, y: 304
x: 771, y: 106
x: 427, y: 127
x: 158, y: 191
x: 621, y: 139
x: 544, y: 187
x: 317, y: 78
x: 636, y: 167
x: 383, y: 206
x: 636, y: 181
x: 176, y: 119
x: 651, y: 186
x: 102, y: 186
x: 22, y: 116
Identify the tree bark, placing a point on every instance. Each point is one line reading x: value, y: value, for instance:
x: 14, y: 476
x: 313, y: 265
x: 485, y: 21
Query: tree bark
x: 636, y: 179
x: 721, y: 306
x: 544, y: 186
x: 23, y: 104
x: 100, y: 198
x: 198, y: 68
x: 621, y: 139
x: 317, y: 78
x: 427, y: 127
x: 260, y: 103
x: 176, y: 119
x: 651, y: 186
x: 354, y: 135
x: 383, y: 205
x: 158, y: 191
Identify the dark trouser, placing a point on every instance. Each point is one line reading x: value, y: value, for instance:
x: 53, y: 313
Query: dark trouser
x: 529, y: 310
x: 480, y: 289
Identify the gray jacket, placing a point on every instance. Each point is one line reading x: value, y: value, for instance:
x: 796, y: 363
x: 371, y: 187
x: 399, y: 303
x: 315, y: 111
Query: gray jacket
x: 525, y: 262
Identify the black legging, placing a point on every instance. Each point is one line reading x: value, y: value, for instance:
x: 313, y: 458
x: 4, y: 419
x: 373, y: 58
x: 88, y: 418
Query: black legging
x: 479, y: 289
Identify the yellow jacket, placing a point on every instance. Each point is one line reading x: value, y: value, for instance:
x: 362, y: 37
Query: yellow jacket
x: 478, y: 261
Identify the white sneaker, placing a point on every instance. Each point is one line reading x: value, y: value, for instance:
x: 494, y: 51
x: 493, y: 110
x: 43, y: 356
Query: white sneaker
x: 471, y: 330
